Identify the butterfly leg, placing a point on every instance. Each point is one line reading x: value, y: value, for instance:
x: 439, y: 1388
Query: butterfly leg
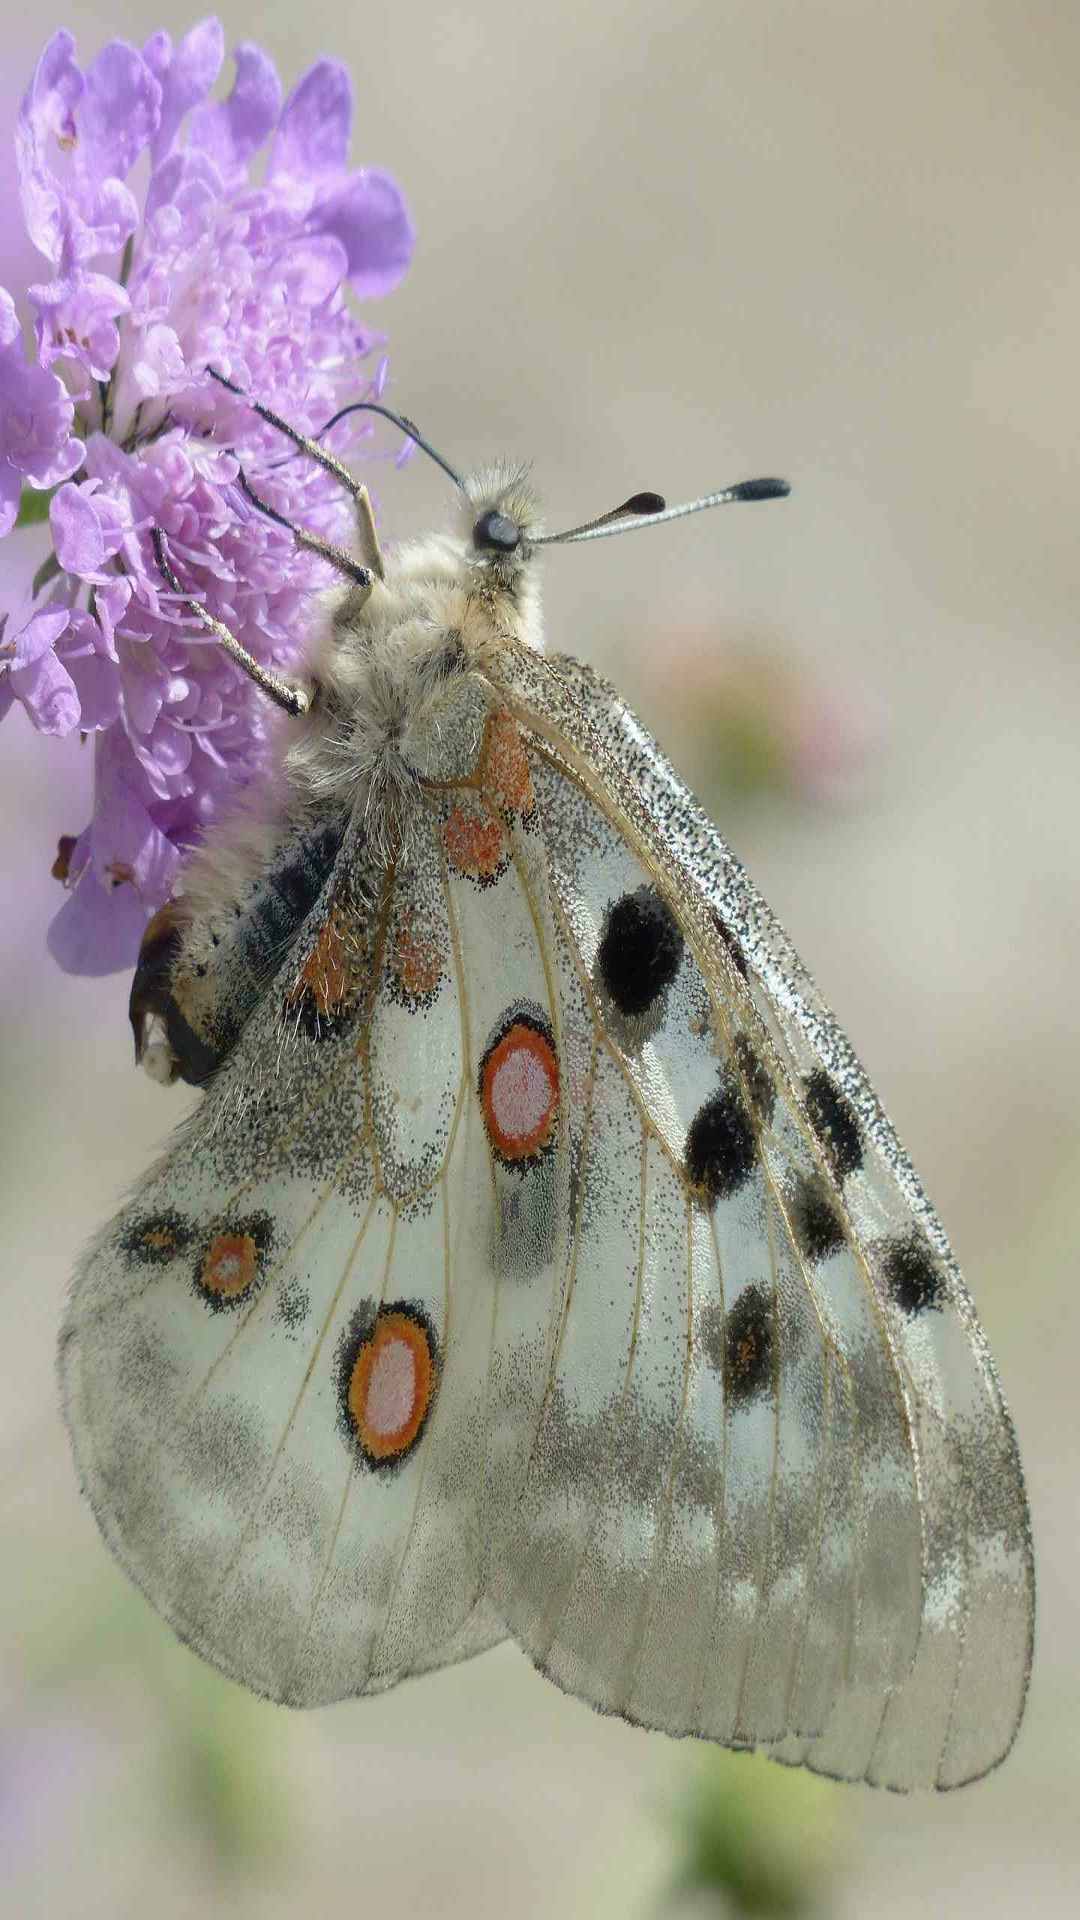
x: 367, y: 537
x: 295, y: 700
x: 361, y: 577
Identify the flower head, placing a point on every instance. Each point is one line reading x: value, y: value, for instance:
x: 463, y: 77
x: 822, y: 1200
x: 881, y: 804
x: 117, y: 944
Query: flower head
x: 208, y: 266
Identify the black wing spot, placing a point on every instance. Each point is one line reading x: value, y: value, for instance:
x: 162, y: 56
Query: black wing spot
x: 912, y: 1275
x: 748, y: 1346
x: 833, y: 1119
x: 721, y: 1151
x: 640, y: 950
x: 819, y: 1229
x: 156, y: 1238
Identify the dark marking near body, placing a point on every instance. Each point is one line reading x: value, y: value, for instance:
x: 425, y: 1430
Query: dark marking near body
x: 758, y: 1081
x: 287, y: 896
x: 640, y: 950
x: 156, y: 1238
x: 913, y: 1276
x: 748, y: 1345
x: 816, y: 1220
x: 833, y: 1119
x: 232, y: 1260
x: 203, y: 1023
x: 721, y: 1152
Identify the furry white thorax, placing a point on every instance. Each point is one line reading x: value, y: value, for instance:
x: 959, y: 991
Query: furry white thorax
x: 400, y: 669
x: 401, y: 693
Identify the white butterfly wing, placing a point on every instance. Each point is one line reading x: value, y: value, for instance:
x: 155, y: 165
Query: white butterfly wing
x: 774, y: 1495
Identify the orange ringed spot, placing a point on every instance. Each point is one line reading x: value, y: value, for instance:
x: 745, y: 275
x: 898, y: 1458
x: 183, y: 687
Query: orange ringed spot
x: 474, y: 840
x: 390, y: 1385
x: 229, y: 1265
x: 519, y: 1090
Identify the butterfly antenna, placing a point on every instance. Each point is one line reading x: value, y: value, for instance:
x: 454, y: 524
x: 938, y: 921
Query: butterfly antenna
x: 649, y: 509
x: 310, y: 445
x: 407, y: 427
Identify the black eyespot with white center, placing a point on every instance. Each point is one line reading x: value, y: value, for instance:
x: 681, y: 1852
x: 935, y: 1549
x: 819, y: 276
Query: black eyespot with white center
x: 495, y: 532
x: 833, y: 1120
x: 640, y: 950
x: 748, y: 1346
x: 721, y: 1152
x: 913, y: 1276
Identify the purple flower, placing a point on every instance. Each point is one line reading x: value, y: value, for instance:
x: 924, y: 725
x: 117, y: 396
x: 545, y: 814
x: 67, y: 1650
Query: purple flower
x: 36, y: 414
x: 147, y: 288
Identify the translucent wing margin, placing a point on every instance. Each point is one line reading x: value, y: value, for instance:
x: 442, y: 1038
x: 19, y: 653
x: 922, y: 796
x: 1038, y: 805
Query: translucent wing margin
x: 774, y: 1494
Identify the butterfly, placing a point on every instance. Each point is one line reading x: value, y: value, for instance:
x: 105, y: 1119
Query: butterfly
x: 539, y: 1263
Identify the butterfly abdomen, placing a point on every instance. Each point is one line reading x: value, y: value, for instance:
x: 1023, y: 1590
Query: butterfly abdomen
x: 203, y: 966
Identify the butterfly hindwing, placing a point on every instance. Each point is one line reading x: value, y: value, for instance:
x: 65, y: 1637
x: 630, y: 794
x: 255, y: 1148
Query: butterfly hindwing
x: 265, y: 1401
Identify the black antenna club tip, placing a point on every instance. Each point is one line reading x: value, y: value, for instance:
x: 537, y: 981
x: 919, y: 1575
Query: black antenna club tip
x: 761, y: 490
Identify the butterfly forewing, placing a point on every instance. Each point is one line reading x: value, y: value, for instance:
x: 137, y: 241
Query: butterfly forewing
x: 871, y: 1533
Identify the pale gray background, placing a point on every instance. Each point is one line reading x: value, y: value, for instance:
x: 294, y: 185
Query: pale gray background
x: 659, y: 246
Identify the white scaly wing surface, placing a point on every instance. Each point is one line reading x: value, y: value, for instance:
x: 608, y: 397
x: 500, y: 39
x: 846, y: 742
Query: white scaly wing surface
x: 774, y: 1495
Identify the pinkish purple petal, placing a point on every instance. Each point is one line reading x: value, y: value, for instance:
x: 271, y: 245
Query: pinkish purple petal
x: 10, y: 496
x: 312, y: 139
x: 10, y: 331
x: 78, y: 535
x: 98, y: 929
x: 119, y: 113
x: 36, y: 417
x: 231, y: 131
x: 37, y: 637
x: 185, y: 76
x: 76, y: 322
x: 368, y: 215
x: 96, y: 678
x: 48, y: 693
x: 127, y: 849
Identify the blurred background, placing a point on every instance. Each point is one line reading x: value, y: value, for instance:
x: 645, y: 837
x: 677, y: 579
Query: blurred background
x: 661, y: 247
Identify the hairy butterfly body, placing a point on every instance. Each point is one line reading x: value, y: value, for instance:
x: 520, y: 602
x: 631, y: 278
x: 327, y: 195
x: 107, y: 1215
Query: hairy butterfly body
x: 539, y: 1262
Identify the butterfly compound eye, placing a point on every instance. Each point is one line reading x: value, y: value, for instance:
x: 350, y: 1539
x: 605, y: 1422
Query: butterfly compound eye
x: 495, y: 533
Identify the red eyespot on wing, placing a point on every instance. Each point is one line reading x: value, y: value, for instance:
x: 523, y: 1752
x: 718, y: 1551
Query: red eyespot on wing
x: 229, y: 1266
x: 388, y: 1385
x: 519, y: 1090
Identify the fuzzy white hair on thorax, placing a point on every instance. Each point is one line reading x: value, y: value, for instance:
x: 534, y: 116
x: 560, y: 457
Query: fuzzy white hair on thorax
x: 399, y: 673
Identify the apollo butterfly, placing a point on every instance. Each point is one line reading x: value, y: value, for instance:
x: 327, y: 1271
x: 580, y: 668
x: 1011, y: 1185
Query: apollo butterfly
x: 539, y: 1263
